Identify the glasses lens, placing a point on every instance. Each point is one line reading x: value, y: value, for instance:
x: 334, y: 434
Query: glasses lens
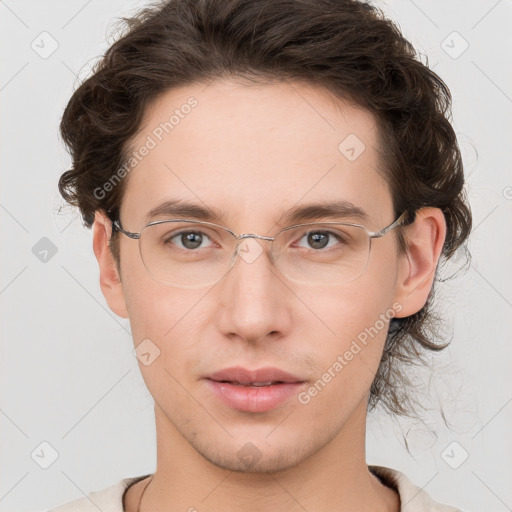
x: 193, y: 254
x: 186, y: 254
x: 322, y: 253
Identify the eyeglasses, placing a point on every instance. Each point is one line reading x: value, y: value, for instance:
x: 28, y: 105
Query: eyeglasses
x: 190, y: 254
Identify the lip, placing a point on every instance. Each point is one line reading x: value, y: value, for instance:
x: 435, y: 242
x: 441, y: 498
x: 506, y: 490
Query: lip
x: 232, y: 386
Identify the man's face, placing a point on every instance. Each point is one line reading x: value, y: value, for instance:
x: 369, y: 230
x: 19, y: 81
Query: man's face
x: 254, y: 152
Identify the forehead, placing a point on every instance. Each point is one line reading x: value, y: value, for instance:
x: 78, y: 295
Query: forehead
x: 254, y: 151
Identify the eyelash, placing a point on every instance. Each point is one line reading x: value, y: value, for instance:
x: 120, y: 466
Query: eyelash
x: 331, y: 234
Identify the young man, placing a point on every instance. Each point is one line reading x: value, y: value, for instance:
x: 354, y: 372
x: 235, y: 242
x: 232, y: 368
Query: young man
x: 271, y: 185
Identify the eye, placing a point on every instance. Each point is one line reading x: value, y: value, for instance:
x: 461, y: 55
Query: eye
x: 320, y: 239
x: 188, y: 240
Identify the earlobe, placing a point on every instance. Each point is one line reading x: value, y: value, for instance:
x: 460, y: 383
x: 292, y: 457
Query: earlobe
x: 110, y: 281
x: 424, y: 239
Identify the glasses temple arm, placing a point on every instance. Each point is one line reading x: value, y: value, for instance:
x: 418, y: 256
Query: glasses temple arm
x: 400, y: 221
x: 116, y: 225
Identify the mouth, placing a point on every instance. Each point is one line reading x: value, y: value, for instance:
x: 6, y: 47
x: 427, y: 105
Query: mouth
x: 252, y: 384
x: 254, y: 390
x: 260, y: 377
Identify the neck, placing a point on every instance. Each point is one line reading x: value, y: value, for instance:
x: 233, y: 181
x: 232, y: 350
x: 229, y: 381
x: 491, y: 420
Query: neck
x: 336, y: 477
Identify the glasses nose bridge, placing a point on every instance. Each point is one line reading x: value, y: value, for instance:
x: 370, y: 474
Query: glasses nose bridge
x: 240, y: 238
x: 254, y: 235
x: 244, y: 236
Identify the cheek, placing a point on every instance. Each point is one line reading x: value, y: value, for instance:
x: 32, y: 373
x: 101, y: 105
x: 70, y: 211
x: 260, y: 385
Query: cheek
x: 348, y: 310
x: 351, y: 319
x: 166, y: 333
x: 351, y: 328
x: 153, y: 307
x: 161, y: 312
x: 346, y: 361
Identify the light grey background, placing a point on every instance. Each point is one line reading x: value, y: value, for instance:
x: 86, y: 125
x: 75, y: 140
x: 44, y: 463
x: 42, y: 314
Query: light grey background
x: 68, y: 374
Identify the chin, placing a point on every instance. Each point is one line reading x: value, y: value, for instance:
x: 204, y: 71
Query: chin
x: 256, y: 456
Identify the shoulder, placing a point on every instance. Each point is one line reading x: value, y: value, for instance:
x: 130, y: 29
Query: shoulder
x: 412, y: 497
x: 109, y: 499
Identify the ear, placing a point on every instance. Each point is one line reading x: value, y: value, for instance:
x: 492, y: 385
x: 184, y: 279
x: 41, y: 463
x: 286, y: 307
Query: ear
x: 110, y: 281
x: 424, y: 239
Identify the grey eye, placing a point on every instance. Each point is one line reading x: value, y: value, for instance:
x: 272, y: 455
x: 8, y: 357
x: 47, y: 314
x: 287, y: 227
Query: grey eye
x: 187, y: 239
x: 320, y: 239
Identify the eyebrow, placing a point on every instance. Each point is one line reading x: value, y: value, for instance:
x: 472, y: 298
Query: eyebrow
x: 338, y: 209
x: 181, y: 208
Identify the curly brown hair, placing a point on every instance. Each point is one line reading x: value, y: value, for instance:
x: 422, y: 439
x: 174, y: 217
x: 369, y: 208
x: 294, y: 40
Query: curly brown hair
x: 345, y: 46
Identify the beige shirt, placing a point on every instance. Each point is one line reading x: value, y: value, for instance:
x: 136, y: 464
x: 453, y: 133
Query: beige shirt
x: 412, y: 498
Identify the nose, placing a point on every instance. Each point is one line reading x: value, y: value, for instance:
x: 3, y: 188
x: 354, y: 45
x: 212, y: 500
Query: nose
x: 253, y: 299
